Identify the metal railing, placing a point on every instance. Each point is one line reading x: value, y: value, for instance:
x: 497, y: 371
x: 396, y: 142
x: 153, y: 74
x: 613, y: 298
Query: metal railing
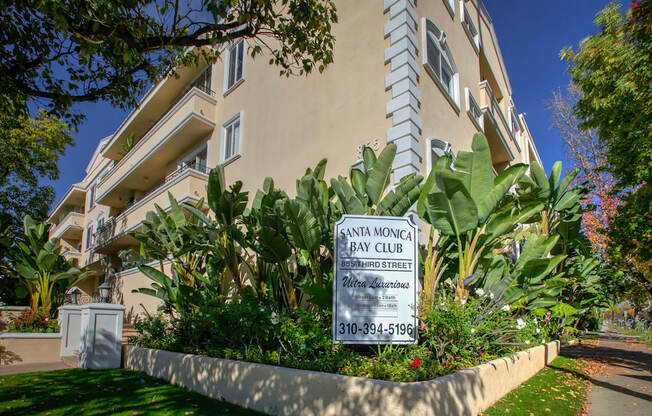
x: 108, y: 232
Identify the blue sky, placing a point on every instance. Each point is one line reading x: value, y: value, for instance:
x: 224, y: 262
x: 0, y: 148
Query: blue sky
x: 530, y: 33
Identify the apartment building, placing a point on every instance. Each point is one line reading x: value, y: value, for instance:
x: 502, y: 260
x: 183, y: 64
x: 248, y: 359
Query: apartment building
x: 425, y: 75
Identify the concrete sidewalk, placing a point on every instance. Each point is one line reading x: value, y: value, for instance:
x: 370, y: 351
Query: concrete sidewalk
x: 626, y: 387
x: 30, y: 368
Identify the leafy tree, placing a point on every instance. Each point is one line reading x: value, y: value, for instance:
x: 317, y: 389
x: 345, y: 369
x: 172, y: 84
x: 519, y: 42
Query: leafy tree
x: 30, y: 150
x: 613, y: 70
x: 66, y: 51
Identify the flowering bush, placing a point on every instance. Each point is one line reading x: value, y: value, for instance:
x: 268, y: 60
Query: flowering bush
x: 31, y: 321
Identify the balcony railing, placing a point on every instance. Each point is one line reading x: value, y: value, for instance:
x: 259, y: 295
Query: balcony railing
x: 109, y: 231
x: 496, y: 112
x: 72, y: 219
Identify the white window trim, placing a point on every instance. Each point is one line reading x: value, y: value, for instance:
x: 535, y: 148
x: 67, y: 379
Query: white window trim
x: 469, y: 99
x: 226, y: 90
x: 475, y: 40
x: 453, y: 99
x: 89, y: 243
x: 450, y: 6
x: 223, y: 160
x: 448, y: 151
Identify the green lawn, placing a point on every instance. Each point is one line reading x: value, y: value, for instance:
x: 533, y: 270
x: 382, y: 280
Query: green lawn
x: 557, y: 390
x: 110, y: 392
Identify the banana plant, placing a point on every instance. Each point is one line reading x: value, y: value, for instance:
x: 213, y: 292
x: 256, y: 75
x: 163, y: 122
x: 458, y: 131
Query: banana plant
x: 224, y: 239
x: 169, y: 236
x: 562, y: 209
x: 176, y: 296
x: 463, y: 201
x: 39, y: 263
x: 368, y: 194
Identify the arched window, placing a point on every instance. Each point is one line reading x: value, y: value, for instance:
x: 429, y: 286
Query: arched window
x: 439, y: 62
x: 438, y: 148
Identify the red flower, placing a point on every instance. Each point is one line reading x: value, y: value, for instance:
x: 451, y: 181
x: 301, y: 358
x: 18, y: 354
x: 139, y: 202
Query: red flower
x: 416, y: 363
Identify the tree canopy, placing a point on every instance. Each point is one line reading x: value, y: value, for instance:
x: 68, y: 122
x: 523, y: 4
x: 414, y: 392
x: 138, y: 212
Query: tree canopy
x: 66, y: 51
x: 613, y: 69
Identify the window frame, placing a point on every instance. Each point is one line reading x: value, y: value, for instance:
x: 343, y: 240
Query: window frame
x: 88, y: 241
x: 470, y: 100
x: 432, y: 35
x: 450, y: 6
x: 467, y: 24
x: 237, y: 118
x: 445, y: 147
x: 230, y: 49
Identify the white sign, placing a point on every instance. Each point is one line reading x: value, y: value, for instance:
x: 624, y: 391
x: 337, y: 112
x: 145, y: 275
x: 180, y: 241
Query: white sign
x: 375, y: 280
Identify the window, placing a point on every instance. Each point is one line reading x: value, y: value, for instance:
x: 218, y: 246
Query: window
x: 450, y: 5
x: 474, y: 111
x: 438, y: 148
x: 439, y: 62
x: 91, y: 197
x: 194, y: 160
x: 231, y: 137
x: 234, y: 65
x: 469, y: 26
x: 89, y: 236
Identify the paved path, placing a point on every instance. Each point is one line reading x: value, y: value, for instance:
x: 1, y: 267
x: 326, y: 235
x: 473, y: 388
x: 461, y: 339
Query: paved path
x: 30, y: 368
x: 624, y: 388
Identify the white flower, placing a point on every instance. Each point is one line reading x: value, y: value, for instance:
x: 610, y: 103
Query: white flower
x: 527, y: 342
x: 473, y: 330
x: 303, y: 346
x: 491, y: 295
x: 538, y: 330
x: 479, y: 292
x: 441, y: 304
x: 544, y: 341
x: 463, y: 301
x: 535, y: 321
x: 505, y: 308
x: 193, y: 325
x: 274, y: 318
x: 520, y: 324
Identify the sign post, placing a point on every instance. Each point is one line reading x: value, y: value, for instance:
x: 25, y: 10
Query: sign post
x: 375, y: 280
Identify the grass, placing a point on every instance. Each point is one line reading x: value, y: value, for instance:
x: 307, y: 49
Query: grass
x: 643, y: 335
x: 558, y: 390
x: 108, y: 392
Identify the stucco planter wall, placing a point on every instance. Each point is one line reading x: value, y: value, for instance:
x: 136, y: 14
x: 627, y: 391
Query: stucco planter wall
x: 30, y: 348
x: 286, y: 391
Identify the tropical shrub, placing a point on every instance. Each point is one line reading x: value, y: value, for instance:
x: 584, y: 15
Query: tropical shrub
x: 500, y: 270
x: 40, y: 265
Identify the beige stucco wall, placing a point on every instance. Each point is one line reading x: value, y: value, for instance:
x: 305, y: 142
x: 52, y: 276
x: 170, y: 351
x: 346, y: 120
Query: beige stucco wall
x: 286, y: 391
x: 290, y: 124
x: 30, y: 348
x: 135, y: 302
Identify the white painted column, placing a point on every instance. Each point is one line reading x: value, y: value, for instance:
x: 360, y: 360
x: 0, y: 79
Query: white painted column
x: 403, y: 81
x: 101, y: 336
x: 70, y: 329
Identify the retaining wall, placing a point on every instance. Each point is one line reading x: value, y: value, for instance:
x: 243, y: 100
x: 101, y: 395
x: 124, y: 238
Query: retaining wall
x: 287, y: 391
x: 30, y: 348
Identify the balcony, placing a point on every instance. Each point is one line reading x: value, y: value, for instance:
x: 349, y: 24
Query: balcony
x: 182, y: 127
x: 187, y: 184
x: 73, y: 201
x: 70, y: 228
x: 71, y: 255
x: 496, y: 127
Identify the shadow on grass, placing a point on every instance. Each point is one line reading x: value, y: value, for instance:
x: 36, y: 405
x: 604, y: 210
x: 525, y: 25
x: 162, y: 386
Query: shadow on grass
x: 98, y: 393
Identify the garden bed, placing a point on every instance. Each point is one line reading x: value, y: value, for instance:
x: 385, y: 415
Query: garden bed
x: 280, y: 390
